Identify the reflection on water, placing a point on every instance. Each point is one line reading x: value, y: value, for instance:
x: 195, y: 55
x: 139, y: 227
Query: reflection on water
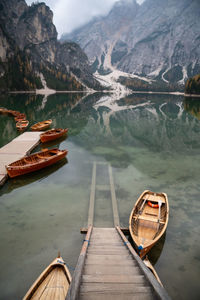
x: 152, y: 142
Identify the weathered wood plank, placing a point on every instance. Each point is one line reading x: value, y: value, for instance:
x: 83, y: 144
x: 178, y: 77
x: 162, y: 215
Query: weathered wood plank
x: 117, y: 287
x: 108, y: 252
x: 111, y: 269
x: 107, y: 247
x: 114, y: 278
x: 115, y: 296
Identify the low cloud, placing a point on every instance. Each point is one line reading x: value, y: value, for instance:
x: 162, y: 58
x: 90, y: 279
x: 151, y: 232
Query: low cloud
x: 70, y: 14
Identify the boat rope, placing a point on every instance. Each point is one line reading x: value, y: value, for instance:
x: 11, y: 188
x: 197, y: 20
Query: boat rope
x: 61, y: 262
x: 86, y: 241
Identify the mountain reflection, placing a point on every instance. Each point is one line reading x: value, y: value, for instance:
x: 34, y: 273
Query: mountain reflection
x: 156, y: 122
x: 192, y: 105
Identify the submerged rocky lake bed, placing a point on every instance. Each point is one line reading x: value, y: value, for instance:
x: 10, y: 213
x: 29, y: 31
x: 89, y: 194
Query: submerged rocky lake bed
x: 151, y: 141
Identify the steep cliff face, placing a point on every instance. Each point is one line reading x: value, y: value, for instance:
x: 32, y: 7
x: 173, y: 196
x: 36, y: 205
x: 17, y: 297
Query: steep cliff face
x: 159, y: 39
x: 29, y: 46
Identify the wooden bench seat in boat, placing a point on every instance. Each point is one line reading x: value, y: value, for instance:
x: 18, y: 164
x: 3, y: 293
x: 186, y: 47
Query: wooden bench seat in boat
x: 155, y: 220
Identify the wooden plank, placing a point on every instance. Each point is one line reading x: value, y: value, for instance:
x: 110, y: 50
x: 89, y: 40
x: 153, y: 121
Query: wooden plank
x: 111, y: 269
x: 109, y: 259
x: 107, y: 239
x: 107, y: 252
x: 114, y: 278
x: 92, y: 197
x: 116, y: 296
x: 110, y: 287
x: 113, y: 197
x: 107, y: 247
x: 125, y: 230
x: 103, y: 229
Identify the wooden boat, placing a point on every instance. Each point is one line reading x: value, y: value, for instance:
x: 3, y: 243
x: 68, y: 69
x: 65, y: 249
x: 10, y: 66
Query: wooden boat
x: 151, y: 268
x: 52, y: 134
x: 23, y: 124
x: 41, y: 125
x: 148, y: 220
x: 35, y: 162
x: 53, y: 283
x: 20, y: 117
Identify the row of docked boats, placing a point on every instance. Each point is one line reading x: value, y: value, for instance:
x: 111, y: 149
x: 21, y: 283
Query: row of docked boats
x: 20, y: 118
x: 22, y: 122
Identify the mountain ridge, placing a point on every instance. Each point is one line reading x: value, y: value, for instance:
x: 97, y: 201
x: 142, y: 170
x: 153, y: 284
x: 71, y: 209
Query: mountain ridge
x: 160, y: 40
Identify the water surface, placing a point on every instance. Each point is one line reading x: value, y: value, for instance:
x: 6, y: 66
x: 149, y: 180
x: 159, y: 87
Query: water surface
x: 151, y: 141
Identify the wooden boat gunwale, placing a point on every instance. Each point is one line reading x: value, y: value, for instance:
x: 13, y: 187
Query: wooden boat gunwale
x: 151, y: 244
x: 57, y: 262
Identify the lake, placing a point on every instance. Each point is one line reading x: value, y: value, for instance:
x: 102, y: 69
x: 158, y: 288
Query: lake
x: 151, y: 141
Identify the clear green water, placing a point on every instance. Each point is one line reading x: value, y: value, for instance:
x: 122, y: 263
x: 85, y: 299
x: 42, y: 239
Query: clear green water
x: 152, y: 142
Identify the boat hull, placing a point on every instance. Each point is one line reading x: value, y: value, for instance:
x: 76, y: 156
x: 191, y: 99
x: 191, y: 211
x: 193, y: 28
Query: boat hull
x: 53, y: 134
x: 17, y: 170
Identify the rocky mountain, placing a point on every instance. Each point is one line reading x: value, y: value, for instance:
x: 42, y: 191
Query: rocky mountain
x: 30, y: 51
x: 159, y: 40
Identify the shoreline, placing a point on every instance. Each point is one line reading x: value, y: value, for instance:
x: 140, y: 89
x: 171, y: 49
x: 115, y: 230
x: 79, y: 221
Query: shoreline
x: 37, y: 92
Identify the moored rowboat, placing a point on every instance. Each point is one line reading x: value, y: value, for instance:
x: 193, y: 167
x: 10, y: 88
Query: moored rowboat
x: 53, y: 283
x: 35, y: 162
x: 41, y: 125
x: 20, y: 117
x: 148, y: 220
x: 23, y: 124
x: 52, y: 134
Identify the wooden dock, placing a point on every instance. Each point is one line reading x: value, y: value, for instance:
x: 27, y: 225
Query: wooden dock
x: 108, y: 268
x: 16, y: 149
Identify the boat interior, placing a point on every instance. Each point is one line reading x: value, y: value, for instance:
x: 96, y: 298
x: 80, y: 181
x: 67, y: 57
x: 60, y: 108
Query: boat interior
x: 147, y: 221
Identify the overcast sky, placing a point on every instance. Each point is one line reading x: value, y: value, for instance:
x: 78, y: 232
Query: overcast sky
x: 70, y: 14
